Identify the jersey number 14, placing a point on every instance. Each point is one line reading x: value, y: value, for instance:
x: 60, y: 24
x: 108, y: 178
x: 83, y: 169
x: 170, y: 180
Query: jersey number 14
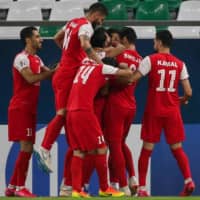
x: 83, y: 74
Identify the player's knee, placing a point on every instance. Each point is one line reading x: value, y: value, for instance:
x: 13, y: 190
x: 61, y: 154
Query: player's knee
x: 102, y: 150
x: 148, y: 145
x: 61, y: 111
x: 79, y: 153
x: 176, y: 145
x: 26, y: 146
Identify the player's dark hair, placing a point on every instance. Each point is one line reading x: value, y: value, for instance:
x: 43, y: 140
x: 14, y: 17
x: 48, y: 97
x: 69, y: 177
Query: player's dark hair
x: 165, y: 37
x: 110, y: 31
x: 27, y: 32
x: 129, y: 33
x: 110, y: 61
x: 98, y: 7
x: 99, y: 37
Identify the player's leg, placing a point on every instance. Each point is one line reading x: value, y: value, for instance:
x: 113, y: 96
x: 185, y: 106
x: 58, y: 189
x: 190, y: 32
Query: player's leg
x: 88, y: 168
x: 133, y: 182
x: 174, y: 136
x: 143, y: 164
x: 113, y: 130
x: 184, y: 166
x: 66, y: 185
x: 150, y: 134
x: 23, y: 165
x: 79, y: 141
x: 101, y: 166
x: 61, y: 89
x: 18, y: 121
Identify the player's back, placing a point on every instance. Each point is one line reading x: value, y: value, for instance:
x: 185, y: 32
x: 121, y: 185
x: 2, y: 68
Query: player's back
x: 124, y: 95
x: 72, y: 52
x: 87, y: 82
x: 164, y: 76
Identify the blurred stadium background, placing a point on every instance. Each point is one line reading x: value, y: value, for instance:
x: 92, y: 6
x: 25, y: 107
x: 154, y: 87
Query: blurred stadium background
x: 182, y: 18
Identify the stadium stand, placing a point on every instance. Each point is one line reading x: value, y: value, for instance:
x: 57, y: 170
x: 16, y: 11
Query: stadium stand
x: 117, y: 10
x: 153, y: 10
x: 189, y: 10
x: 53, y: 10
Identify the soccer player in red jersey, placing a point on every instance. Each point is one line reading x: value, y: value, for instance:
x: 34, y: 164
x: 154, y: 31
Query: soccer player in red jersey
x: 28, y: 70
x: 119, y: 114
x: 74, y: 39
x: 84, y: 131
x: 163, y: 108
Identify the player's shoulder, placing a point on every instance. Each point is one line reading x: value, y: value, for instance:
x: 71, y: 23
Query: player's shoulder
x: 178, y: 60
x: 21, y: 55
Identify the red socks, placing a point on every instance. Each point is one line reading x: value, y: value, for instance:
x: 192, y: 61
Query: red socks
x: 183, y: 162
x: 77, y: 171
x: 143, y: 165
x: 88, y: 167
x: 67, y: 167
x: 118, y: 163
x: 101, y: 167
x: 128, y: 160
x: 21, y: 169
x: 52, y: 131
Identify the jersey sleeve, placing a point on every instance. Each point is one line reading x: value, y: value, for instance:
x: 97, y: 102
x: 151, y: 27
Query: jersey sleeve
x: 109, y: 70
x: 21, y: 61
x: 145, y: 66
x: 184, y: 73
x: 86, y: 29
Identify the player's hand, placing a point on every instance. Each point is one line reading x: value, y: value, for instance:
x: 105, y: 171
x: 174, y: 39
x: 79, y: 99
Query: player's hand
x: 54, y: 66
x: 183, y: 100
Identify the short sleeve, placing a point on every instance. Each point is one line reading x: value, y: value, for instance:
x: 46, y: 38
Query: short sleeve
x: 145, y: 66
x: 184, y: 73
x: 109, y: 70
x: 86, y: 29
x: 21, y: 61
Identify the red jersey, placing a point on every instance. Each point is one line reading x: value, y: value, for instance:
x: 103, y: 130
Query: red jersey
x: 125, y: 97
x: 72, y: 52
x: 87, y: 82
x: 25, y: 95
x: 165, y: 72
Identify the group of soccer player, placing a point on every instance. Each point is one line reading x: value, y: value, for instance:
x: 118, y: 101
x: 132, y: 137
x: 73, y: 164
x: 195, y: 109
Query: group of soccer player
x: 94, y: 85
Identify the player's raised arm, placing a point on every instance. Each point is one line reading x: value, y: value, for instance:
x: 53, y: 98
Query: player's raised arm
x: 59, y: 37
x: 85, y: 44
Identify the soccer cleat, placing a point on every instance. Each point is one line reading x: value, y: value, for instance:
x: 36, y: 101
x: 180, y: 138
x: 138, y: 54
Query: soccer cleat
x: 126, y: 191
x: 65, y: 191
x: 133, y: 189
x: 110, y: 192
x: 142, y: 193
x: 43, y: 159
x: 10, y: 192
x: 80, y: 194
x: 24, y: 192
x: 188, y: 189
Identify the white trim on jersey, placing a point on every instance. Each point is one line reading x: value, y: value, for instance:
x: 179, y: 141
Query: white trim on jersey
x: 21, y: 61
x: 86, y: 29
x: 184, y: 73
x: 145, y: 66
x: 109, y: 70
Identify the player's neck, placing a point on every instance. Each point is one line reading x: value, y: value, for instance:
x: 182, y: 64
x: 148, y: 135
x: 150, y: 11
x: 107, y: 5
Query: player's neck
x: 30, y: 50
x: 164, y: 50
x: 130, y: 47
